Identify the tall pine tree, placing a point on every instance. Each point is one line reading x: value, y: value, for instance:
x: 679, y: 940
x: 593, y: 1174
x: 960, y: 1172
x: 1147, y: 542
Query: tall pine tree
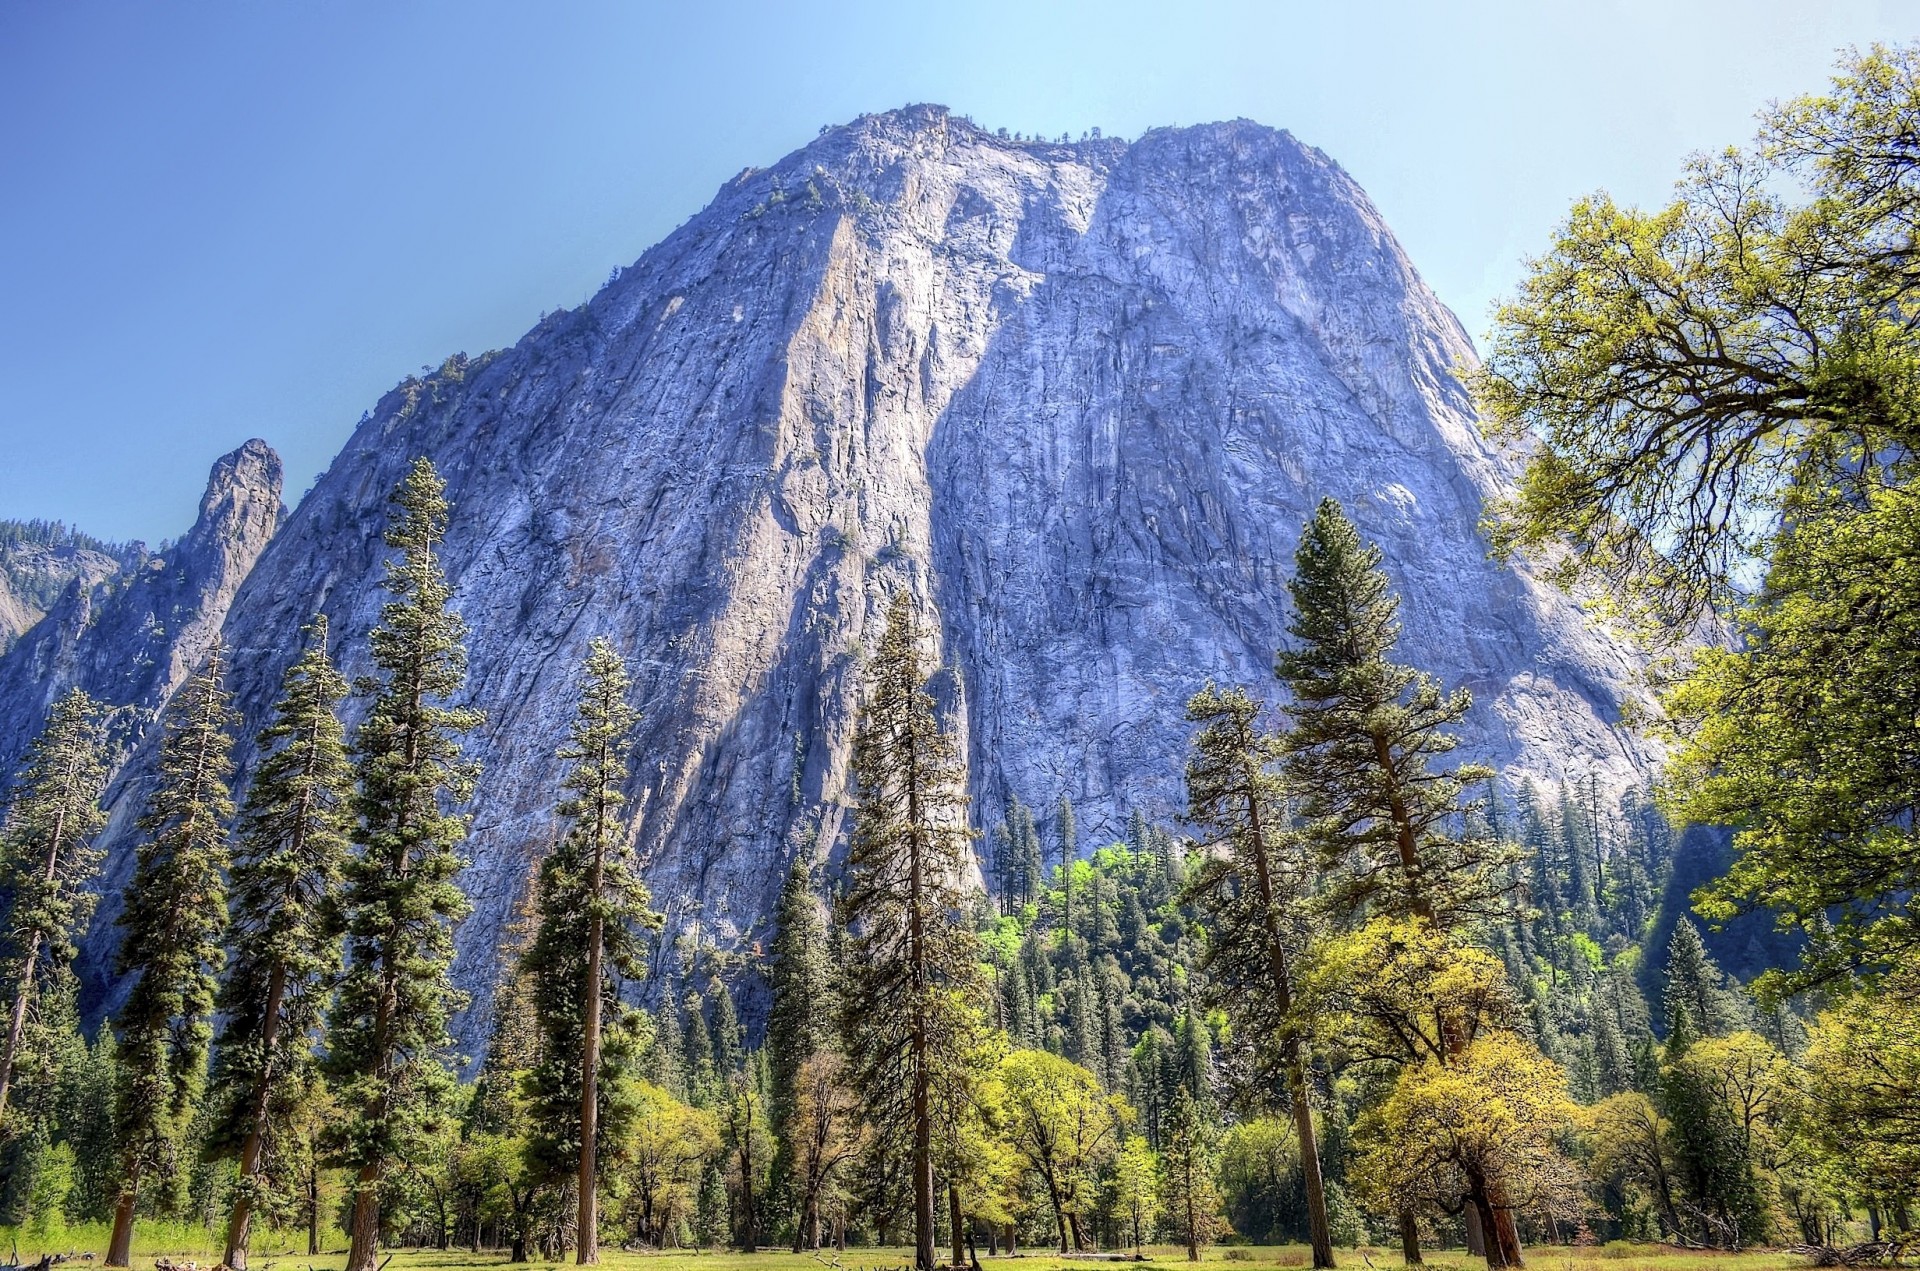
x: 1249, y: 887
x: 1364, y: 730
x: 592, y: 911
x: 284, y: 940
x: 913, y: 958
x: 170, y: 942
x: 47, y: 857
x: 387, y: 1040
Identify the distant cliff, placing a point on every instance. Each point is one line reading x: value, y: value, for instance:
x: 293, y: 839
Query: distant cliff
x: 1078, y: 398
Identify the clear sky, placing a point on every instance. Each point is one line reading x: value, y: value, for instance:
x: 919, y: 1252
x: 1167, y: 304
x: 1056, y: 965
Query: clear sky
x: 223, y: 219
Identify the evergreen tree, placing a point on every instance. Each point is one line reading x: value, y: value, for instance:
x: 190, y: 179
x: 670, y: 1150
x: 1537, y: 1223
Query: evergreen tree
x: 284, y: 941
x: 388, y: 1042
x: 170, y: 946
x: 1364, y: 731
x: 1248, y: 888
x: 47, y: 857
x: 1188, y: 1194
x: 912, y: 958
x: 729, y: 1049
x: 1069, y: 853
x: 1696, y: 987
x: 592, y: 910
x: 800, y: 1019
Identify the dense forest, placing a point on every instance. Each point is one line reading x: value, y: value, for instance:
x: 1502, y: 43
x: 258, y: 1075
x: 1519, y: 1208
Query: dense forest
x: 1363, y: 992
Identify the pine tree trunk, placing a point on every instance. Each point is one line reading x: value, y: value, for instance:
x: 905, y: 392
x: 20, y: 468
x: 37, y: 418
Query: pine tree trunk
x: 17, y: 1025
x: 1410, y: 1239
x: 587, y: 1241
x: 254, y: 1146
x: 120, y: 1244
x: 364, y: 1244
x: 1319, y: 1232
x: 313, y: 1211
x: 954, y: 1217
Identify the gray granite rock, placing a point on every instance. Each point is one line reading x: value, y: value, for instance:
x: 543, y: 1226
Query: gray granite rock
x: 1078, y: 398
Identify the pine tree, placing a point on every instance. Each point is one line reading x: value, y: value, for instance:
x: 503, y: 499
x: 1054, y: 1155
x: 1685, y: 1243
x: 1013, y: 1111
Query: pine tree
x: 1248, y: 888
x: 170, y: 946
x: 1364, y: 730
x: 47, y: 857
x: 729, y: 1051
x: 1696, y: 986
x: 592, y: 911
x: 1069, y: 853
x: 387, y: 1040
x: 912, y: 958
x: 284, y: 939
x: 800, y: 1020
x: 1187, y: 1167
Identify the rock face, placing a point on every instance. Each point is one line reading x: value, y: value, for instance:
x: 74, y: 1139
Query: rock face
x: 129, y: 639
x: 1077, y: 398
x: 33, y: 574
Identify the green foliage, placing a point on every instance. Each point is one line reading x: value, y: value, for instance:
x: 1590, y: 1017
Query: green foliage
x: 1364, y: 729
x: 592, y: 915
x: 388, y: 1043
x: 171, y: 929
x: 1691, y: 368
x: 913, y: 956
x: 1806, y: 740
x: 47, y: 861
x: 284, y: 936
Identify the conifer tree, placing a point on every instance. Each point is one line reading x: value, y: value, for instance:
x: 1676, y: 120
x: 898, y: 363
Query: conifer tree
x: 387, y: 1040
x: 800, y: 1020
x: 1248, y: 888
x: 170, y: 946
x: 1069, y: 852
x: 1364, y: 731
x: 1186, y: 1162
x: 284, y: 939
x: 912, y: 960
x: 1696, y: 987
x: 592, y: 911
x: 47, y: 857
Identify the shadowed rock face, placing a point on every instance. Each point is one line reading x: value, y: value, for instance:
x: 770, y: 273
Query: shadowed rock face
x: 1077, y: 398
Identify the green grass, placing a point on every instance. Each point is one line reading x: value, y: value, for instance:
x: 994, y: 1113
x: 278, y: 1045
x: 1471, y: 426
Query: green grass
x: 272, y: 1252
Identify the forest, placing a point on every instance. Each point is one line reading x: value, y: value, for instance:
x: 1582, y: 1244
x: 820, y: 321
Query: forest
x: 1365, y: 992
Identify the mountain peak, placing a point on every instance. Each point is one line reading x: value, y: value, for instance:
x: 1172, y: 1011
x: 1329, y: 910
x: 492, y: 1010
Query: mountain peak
x: 1076, y: 399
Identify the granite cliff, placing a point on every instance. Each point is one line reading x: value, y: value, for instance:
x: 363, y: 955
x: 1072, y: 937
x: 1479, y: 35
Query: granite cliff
x: 1078, y: 398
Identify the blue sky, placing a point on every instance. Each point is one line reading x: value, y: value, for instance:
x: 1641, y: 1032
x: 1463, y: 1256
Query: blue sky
x: 222, y: 220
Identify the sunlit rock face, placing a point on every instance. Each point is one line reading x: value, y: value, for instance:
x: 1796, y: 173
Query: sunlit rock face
x: 1078, y: 398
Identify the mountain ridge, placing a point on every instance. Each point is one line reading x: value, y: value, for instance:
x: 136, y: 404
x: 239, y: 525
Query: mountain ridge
x: 1076, y: 397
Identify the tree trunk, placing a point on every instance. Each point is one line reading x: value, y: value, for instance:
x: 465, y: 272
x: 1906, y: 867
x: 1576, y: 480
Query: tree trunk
x: 120, y: 1244
x: 1496, y: 1257
x: 364, y: 1243
x: 1319, y: 1233
x: 955, y: 1220
x: 1506, y: 1233
x: 1476, y: 1235
x: 587, y: 1238
x: 18, y: 1023
x: 1410, y: 1239
x: 253, y: 1148
x: 313, y: 1209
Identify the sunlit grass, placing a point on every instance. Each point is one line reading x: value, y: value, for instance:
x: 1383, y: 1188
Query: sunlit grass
x: 284, y: 1251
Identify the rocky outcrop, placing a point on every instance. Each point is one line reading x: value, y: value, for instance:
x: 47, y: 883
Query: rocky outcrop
x: 1078, y: 399
x: 130, y: 637
x: 33, y: 573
